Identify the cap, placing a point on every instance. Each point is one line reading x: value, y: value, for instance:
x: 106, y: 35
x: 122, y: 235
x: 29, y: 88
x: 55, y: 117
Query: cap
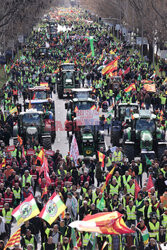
x: 69, y: 193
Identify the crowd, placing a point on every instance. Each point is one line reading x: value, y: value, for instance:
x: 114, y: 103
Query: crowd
x: 79, y: 185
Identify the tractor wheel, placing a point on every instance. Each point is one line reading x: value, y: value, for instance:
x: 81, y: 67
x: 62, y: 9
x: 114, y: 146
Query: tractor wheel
x: 115, y: 136
x: 129, y: 151
x: 47, y: 142
x: 160, y: 150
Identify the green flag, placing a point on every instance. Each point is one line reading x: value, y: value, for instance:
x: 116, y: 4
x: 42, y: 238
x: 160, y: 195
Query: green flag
x: 92, y: 46
x: 148, y: 162
x: 73, y: 237
x: 101, y: 204
x: 93, y: 241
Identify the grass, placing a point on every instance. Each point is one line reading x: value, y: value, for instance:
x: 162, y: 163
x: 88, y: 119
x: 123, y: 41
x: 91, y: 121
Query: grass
x: 3, y: 77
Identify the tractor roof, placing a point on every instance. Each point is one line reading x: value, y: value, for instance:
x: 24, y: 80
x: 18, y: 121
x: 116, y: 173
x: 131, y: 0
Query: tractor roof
x: 128, y: 104
x: 84, y: 100
x: 36, y: 101
x: 39, y: 88
x: 31, y: 111
x: 81, y: 90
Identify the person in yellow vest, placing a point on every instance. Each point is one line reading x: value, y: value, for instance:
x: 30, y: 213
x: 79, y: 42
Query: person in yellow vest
x: 49, y: 244
x: 27, y: 178
x: 126, y: 178
x: 130, y: 187
x: 7, y: 214
x: 117, y: 155
x: 163, y: 222
x: 140, y: 172
x: 164, y: 171
x: 29, y: 239
x: 85, y: 240
x: 131, y: 213
x: 108, y: 162
x: 114, y: 187
x: 17, y: 194
x: 153, y: 227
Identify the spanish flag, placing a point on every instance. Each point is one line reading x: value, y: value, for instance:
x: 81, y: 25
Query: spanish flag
x: 130, y: 87
x: 103, y: 223
x: 15, y: 238
x: 19, y: 140
x: 45, y: 191
x: 109, y: 66
x: 56, y: 71
x: 41, y: 156
x: 107, y: 179
x: 101, y: 157
x: 76, y: 109
x: 113, y: 68
x: 93, y: 107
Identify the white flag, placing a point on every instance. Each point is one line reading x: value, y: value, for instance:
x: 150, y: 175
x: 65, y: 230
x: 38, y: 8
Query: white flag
x: 74, y: 152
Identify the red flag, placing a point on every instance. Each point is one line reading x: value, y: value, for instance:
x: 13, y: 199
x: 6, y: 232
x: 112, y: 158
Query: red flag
x: 127, y: 71
x: 44, y: 166
x: 23, y: 153
x: 149, y: 183
x: 45, y: 191
x: 137, y: 189
x: 120, y: 73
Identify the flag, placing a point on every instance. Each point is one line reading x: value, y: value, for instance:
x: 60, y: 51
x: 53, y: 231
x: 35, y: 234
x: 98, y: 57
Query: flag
x: 107, y: 179
x: 89, y: 55
x: 45, y: 191
x: 74, y: 151
x: 47, y: 177
x: 98, y: 108
x: 120, y: 73
x: 15, y: 238
x: 113, y: 68
x: 93, y: 107
x: 41, y: 156
x: 127, y: 71
x: 26, y: 210
x: 92, y: 241
x: 101, y: 157
x: 149, y: 183
x: 73, y: 237
x: 109, y: 66
x: 150, y: 87
x: 104, y: 223
x: 3, y: 164
x: 110, y: 175
x: 29, y: 105
x: 23, y: 153
x: 132, y: 117
x: 44, y: 168
x: 130, y: 87
x: 101, y: 204
x: 14, y: 110
x: 104, y: 245
x: 56, y: 71
x: 52, y: 209
x: 148, y: 162
x: 19, y: 140
x: 137, y: 189
x: 76, y: 109
x: 145, y: 235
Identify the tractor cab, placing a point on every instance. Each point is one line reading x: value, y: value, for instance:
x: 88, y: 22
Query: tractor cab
x: 81, y: 93
x: 39, y: 92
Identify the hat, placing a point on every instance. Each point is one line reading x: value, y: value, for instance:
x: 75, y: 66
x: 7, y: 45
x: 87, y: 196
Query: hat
x: 69, y: 193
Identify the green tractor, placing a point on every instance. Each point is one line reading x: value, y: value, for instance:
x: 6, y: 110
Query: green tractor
x: 73, y: 106
x: 123, y: 113
x: 32, y: 128
x: 47, y: 106
x: 89, y: 139
x: 143, y: 137
x: 68, y: 78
